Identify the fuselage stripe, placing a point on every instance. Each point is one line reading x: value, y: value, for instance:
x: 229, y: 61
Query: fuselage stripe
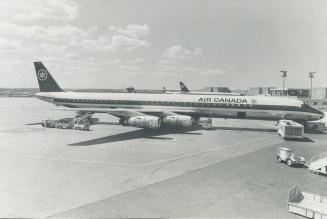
x: 180, y: 104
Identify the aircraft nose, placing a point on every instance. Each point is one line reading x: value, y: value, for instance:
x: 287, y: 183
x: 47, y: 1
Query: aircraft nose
x: 322, y: 116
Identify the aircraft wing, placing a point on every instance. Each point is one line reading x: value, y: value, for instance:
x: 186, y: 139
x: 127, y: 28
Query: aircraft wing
x: 127, y: 113
x: 119, y: 112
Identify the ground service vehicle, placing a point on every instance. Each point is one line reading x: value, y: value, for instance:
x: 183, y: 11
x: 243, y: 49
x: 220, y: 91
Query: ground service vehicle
x: 85, y: 125
x: 67, y: 123
x: 316, y: 126
x: 307, y: 204
x: 288, y: 156
x: 47, y: 123
x: 318, y: 164
x: 288, y: 129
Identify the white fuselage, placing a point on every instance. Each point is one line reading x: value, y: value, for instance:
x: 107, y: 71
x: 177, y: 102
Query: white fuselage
x: 203, y: 93
x: 217, y: 106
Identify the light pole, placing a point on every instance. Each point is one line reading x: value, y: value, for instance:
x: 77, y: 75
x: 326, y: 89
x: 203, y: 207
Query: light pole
x: 284, y: 75
x: 311, y: 75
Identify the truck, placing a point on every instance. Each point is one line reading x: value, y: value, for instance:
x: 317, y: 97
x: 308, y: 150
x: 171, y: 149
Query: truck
x: 307, y: 204
x: 288, y: 156
x: 289, y: 129
x: 67, y: 123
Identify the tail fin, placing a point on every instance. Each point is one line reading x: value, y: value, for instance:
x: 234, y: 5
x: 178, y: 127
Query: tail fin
x: 183, y: 87
x: 46, y: 82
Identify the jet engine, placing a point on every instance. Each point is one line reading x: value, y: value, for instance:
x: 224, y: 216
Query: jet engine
x: 177, y: 121
x: 151, y: 122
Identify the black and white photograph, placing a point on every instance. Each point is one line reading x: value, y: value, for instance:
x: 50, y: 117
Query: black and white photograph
x: 163, y: 109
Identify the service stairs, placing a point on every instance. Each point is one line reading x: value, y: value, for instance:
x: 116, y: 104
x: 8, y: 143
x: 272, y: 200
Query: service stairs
x: 82, y: 117
x: 319, y: 164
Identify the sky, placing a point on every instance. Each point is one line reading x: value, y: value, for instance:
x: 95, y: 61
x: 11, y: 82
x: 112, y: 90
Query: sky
x: 155, y: 43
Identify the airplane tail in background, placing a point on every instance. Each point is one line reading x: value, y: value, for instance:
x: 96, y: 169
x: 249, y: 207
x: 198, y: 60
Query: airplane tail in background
x: 46, y: 82
x: 183, y: 87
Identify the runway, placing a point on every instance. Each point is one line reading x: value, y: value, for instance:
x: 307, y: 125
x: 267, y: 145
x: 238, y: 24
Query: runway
x: 115, y: 171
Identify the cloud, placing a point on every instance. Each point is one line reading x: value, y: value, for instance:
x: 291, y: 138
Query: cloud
x: 212, y: 72
x: 30, y: 11
x: 112, y: 62
x: 111, y: 44
x: 127, y: 39
x: 130, y: 68
x: 71, y: 56
x: 73, y: 36
x: 88, y: 39
x: 128, y: 43
x: 173, y: 55
x: 133, y: 30
x: 11, y: 45
x: 49, y: 33
x: 44, y: 30
x: 178, y: 52
x: 135, y: 61
x: 52, y: 49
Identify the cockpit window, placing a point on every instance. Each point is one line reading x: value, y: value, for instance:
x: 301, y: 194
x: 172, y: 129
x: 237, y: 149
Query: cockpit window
x: 305, y: 105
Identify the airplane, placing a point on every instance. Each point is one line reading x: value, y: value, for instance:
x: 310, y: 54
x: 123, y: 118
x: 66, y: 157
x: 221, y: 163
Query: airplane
x: 153, y: 111
x: 183, y: 87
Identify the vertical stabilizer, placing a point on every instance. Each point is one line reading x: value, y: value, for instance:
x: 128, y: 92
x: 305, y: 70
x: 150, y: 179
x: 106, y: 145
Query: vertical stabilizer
x: 46, y: 82
x: 183, y: 87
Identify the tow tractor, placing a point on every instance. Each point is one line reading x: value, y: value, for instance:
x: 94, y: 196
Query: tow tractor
x: 288, y: 156
x: 82, y: 121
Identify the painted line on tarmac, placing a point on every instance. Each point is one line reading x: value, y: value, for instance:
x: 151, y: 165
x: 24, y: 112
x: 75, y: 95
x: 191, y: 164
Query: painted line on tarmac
x: 204, y: 152
x: 67, y: 159
x: 133, y: 165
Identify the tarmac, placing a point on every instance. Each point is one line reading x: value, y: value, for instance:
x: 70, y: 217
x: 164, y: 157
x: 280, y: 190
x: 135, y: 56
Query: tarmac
x: 117, y: 171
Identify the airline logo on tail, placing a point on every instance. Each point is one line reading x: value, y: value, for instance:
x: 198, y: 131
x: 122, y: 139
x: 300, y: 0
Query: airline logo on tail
x: 42, y: 75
